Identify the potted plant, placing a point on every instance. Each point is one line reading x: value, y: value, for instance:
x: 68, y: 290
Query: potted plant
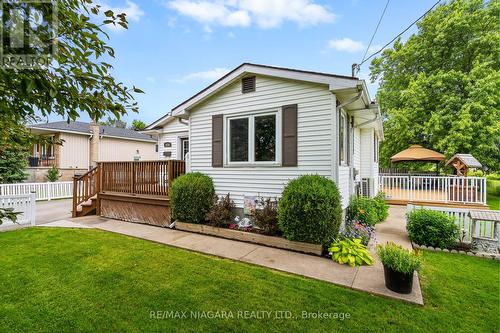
x: 399, y: 265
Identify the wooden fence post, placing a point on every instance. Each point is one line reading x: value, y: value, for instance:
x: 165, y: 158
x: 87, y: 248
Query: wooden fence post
x: 133, y: 178
x: 75, y: 192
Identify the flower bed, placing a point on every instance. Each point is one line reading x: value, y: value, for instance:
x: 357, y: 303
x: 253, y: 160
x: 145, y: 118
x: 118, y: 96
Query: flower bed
x: 250, y: 237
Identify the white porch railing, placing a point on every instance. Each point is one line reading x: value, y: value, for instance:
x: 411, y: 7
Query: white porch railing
x: 43, y: 191
x: 462, y: 220
x: 25, y: 204
x: 467, y: 190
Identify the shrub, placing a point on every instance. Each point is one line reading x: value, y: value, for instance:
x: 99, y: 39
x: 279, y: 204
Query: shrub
x: 267, y: 217
x: 222, y: 212
x: 310, y: 210
x: 354, y: 229
x: 363, y: 210
x: 381, y: 206
x: 192, y: 197
x: 398, y: 259
x: 431, y: 228
x: 53, y: 174
x: 351, y: 252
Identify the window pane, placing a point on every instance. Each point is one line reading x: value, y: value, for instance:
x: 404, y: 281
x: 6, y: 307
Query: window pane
x: 238, y: 140
x: 265, y: 138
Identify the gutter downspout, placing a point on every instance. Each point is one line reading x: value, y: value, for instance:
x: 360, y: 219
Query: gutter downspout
x: 337, y: 113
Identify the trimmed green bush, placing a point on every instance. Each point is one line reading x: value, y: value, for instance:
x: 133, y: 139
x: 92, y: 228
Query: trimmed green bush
x: 191, y: 197
x: 363, y: 210
x: 431, y: 228
x: 310, y: 210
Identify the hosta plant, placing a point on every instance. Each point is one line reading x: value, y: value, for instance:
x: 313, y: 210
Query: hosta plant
x: 351, y: 252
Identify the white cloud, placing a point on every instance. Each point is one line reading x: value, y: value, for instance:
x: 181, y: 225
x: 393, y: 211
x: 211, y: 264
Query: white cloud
x: 209, y: 75
x: 210, y: 12
x: 242, y: 13
x: 131, y: 9
x: 345, y: 44
x: 151, y: 79
x: 374, y: 48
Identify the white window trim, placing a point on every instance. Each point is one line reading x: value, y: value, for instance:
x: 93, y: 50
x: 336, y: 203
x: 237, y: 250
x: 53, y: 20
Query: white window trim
x: 251, y: 139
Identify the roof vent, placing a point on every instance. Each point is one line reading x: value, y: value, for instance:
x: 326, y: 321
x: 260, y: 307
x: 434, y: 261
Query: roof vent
x: 248, y: 84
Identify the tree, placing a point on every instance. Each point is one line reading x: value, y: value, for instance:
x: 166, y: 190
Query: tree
x: 138, y: 125
x: 76, y: 79
x: 114, y: 122
x: 441, y: 88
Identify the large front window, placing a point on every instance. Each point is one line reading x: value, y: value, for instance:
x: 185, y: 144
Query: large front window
x: 253, y: 139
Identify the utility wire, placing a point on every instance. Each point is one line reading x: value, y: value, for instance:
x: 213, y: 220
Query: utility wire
x: 376, y: 29
x: 357, y: 66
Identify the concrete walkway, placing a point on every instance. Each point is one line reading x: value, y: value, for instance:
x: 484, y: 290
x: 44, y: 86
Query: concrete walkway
x: 365, y: 278
x: 53, y: 210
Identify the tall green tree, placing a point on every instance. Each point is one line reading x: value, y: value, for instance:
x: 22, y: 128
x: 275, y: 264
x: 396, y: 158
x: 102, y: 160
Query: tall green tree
x: 441, y: 88
x: 77, y: 79
x: 138, y: 125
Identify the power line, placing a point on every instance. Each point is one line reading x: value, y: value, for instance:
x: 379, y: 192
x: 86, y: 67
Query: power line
x: 376, y: 29
x: 357, y: 66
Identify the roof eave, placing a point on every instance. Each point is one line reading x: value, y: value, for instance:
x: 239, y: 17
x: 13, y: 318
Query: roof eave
x: 334, y: 83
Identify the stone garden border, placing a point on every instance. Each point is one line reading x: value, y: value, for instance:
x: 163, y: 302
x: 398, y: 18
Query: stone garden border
x: 493, y: 256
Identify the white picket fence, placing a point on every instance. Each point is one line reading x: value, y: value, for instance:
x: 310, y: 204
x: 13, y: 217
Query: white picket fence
x: 469, y: 190
x: 43, y: 191
x: 462, y: 220
x: 24, y: 203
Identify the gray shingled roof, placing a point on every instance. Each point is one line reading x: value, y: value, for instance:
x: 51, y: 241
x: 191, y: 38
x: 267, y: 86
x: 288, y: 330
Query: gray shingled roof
x: 466, y: 159
x: 84, y: 128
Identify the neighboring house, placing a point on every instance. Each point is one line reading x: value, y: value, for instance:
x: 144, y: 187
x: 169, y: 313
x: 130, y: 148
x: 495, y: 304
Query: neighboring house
x: 173, y: 138
x: 83, y: 145
x: 260, y: 126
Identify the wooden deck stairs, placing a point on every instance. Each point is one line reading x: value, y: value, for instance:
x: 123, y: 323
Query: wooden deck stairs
x: 85, y: 189
x: 118, y: 189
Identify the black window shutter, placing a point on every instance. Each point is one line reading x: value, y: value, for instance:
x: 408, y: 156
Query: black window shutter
x: 289, y: 135
x: 217, y: 140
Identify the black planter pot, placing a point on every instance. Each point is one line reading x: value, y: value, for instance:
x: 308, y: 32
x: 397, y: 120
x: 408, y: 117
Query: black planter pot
x: 399, y: 282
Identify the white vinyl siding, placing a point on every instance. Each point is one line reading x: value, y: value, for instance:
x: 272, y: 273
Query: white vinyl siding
x: 369, y: 168
x: 111, y: 149
x: 74, y: 151
x: 314, y: 135
x: 344, y: 185
x: 357, y: 149
x: 173, y: 131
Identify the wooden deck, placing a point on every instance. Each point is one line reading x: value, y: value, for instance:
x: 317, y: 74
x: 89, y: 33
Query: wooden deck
x: 398, y: 196
x: 129, y: 191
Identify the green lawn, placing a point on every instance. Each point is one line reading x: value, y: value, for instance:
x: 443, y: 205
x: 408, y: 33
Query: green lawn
x: 492, y: 197
x: 57, y: 280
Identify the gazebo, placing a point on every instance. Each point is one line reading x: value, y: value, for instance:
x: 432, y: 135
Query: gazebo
x: 462, y: 163
x: 417, y: 153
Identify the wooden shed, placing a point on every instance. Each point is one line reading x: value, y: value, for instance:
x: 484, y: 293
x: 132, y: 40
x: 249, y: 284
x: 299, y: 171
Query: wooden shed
x: 462, y: 163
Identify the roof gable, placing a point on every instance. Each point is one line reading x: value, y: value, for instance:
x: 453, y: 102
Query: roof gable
x: 79, y: 127
x: 334, y: 82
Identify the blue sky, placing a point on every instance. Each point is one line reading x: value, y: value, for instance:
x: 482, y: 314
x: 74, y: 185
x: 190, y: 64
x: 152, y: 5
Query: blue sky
x: 173, y: 48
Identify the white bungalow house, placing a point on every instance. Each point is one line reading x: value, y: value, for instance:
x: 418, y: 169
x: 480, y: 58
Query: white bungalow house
x: 259, y: 126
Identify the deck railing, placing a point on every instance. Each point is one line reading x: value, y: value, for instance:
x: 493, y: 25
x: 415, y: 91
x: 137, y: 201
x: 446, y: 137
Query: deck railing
x: 85, y: 187
x: 152, y: 178
x: 142, y: 177
x: 466, y: 190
